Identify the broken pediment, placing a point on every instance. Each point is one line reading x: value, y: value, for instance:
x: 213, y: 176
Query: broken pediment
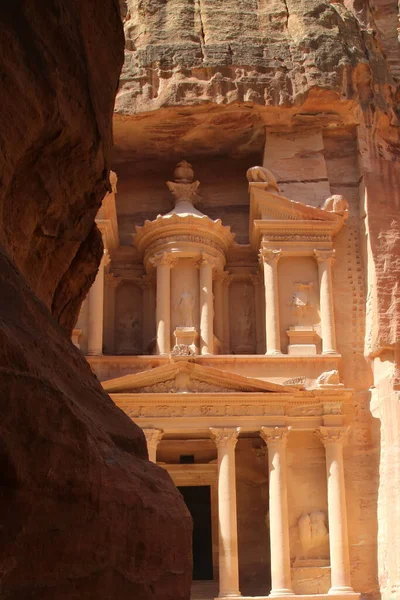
x: 189, y: 377
x: 271, y: 213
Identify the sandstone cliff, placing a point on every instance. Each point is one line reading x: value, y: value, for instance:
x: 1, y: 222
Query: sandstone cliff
x: 84, y: 514
x: 313, y: 87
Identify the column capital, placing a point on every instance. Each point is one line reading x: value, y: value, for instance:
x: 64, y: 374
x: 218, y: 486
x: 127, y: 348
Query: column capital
x: 256, y: 279
x: 147, y: 281
x: 331, y: 435
x: 111, y: 280
x: 153, y: 436
x: 106, y: 259
x: 324, y: 255
x: 208, y: 259
x: 224, y: 436
x: 164, y: 258
x: 269, y: 255
x: 274, y: 435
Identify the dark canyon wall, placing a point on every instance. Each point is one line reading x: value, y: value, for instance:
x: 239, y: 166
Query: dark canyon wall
x: 84, y: 514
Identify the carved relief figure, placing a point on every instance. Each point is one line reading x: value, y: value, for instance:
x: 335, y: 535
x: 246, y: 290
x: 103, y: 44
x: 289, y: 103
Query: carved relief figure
x: 129, y: 333
x: 313, y: 534
x: 185, y: 309
x: 301, y: 302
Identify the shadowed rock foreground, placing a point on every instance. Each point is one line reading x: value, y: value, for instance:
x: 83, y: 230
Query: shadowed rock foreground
x: 84, y: 514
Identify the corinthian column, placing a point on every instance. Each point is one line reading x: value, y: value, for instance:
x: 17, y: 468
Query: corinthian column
x: 96, y: 310
x: 111, y: 283
x: 226, y: 439
x: 272, y: 328
x: 257, y: 281
x: 149, y: 309
x: 206, y: 305
x: 163, y: 263
x: 276, y: 438
x: 325, y: 260
x: 153, y: 437
x: 332, y: 438
x: 219, y: 305
x: 227, y: 319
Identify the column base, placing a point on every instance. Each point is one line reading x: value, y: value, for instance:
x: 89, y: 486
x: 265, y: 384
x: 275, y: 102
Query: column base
x: 94, y: 353
x: 232, y: 595
x: 330, y: 351
x: 341, y: 590
x: 281, y: 592
x: 274, y: 353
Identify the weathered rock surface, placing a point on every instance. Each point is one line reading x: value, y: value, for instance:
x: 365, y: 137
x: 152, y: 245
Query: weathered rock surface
x: 84, y: 514
x: 316, y: 84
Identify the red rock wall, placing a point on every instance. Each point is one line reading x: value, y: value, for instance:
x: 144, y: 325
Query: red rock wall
x: 84, y: 514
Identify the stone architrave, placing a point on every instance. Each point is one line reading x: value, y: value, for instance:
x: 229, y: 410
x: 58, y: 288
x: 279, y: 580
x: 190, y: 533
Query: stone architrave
x: 325, y: 260
x: 96, y: 310
x: 270, y: 260
x: 225, y: 440
x: 276, y: 439
x: 153, y: 437
x: 163, y: 263
x: 206, y: 305
x: 333, y: 438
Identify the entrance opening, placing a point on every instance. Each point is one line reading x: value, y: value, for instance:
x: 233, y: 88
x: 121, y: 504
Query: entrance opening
x: 198, y: 501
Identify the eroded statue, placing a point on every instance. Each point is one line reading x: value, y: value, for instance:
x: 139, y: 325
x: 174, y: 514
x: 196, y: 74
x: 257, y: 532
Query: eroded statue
x: 313, y: 532
x: 262, y: 175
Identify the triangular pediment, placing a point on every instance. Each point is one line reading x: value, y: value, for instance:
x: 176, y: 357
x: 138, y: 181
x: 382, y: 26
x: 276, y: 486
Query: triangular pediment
x: 189, y: 377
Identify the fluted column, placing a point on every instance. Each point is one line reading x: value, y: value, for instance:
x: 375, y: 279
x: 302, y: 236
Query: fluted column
x: 96, y: 310
x: 325, y: 260
x: 227, y: 280
x: 219, y: 305
x: 276, y: 439
x: 153, y: 437
x: 163, y: 263
x: 206, y: 305
x: 272, y: 327
x: 225, y: 440
x: 257, y: 281
x: 111, y: 283
x: 332, y: 438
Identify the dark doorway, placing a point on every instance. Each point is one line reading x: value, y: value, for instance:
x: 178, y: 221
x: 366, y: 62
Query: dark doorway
x: 198, y: 501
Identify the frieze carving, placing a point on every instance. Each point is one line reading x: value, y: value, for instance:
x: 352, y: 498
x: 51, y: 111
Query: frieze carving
x: 305, y: 411
x: 224, y: 436
x: 273, y: 435
x: 331, y: 435
x: 198, y: 239
x: 297, y: 237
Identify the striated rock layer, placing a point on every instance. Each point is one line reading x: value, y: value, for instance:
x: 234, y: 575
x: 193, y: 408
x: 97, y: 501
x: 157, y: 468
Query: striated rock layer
x: 311, y: 88
x: 84, y: 514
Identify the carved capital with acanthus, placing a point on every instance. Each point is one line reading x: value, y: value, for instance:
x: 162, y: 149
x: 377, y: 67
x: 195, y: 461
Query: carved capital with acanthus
x: 331, y: 435
x: 324, y: 255
x: 147, y: 281
x: 256, y: 279
x: 153, y: 437
x: 112, y: 281
x: 209, y: 260
x: 162, y: 259
x: 225, y: 436
x: 274, y: 435
x: 269, y: 255
x: 105, y: 261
